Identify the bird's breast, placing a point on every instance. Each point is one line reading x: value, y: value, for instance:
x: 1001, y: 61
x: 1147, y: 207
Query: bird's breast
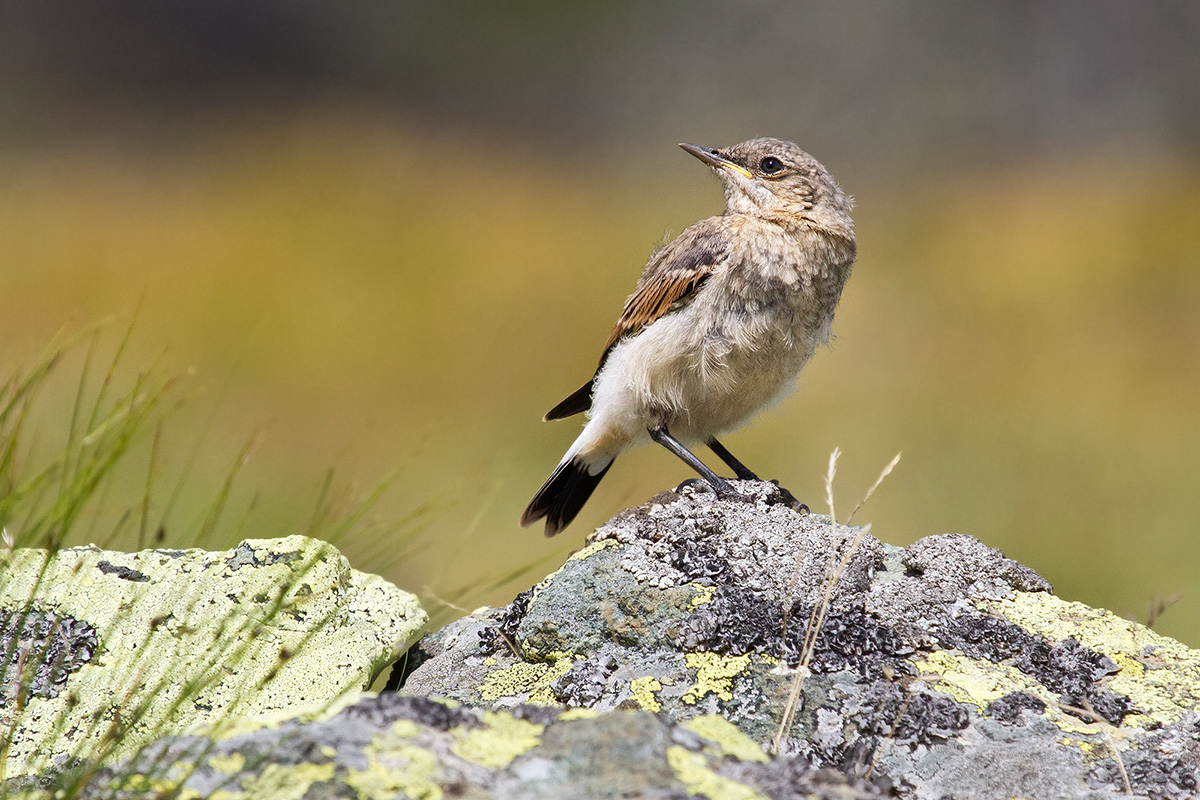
x: 734, y: 348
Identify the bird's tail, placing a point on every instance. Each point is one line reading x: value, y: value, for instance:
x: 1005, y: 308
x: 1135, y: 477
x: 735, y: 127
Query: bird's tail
x: 566, y: 490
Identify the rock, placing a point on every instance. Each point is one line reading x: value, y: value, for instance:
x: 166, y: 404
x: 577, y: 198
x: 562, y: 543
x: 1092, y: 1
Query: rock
x: 658, y: 662
x: 943, y: 669
x: 119, y: 649
x: 388, y: 746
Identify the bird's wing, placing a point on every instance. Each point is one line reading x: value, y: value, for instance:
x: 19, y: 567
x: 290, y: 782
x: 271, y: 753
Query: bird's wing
x: 670, y: 279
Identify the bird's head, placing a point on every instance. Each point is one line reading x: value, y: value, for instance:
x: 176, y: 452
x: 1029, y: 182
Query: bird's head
x: 776, y: 180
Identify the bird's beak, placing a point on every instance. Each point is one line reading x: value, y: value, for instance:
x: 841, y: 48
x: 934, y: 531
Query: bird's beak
x: 712, y: 156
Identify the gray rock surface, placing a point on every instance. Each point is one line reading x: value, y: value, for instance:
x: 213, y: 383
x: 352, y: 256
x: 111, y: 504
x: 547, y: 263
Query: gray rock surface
x: 658, y: 662
x: 389, y: 746
x: 106, y: 651
x: 942, y: 669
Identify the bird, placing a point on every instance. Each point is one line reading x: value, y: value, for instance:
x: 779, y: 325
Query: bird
x: 718, y: 328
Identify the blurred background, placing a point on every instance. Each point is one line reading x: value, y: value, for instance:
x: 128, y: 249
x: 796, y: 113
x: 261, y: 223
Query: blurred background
x: 388, y: 236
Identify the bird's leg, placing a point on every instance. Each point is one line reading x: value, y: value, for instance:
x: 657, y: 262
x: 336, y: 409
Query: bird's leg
x: 719, y: 485
x: 744, y: 473
x: 739, y: 469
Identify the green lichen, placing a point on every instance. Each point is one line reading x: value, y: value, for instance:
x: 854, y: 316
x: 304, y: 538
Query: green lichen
x: 714, y: 673
x: 693, y: 771
x: 502, y: 738
x: 643, y: 691
x: 727, y: 736
x: 578, y: 555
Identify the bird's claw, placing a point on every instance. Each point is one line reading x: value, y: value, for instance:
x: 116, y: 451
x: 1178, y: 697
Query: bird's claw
x: 780, y: 495
x: 726, y: 492
x: 787, y: 498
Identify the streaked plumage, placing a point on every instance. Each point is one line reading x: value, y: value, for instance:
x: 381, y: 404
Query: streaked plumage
x: 721, y: 322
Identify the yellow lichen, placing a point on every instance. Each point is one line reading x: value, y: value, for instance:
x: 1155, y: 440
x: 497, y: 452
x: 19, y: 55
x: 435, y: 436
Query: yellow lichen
x: 219, y: 794
x: 239, y: 607
x: 1056, y: 619
x: 578, y: 713
x: 525, y: 677
x: 704, y: 594
x: 592, y: 549
x: 727, y: 736
x: 396, y: 769
x: 1160, y: 675
x: 147, y: 785
x: 237, y: 725
x: 228, y: 764
x: 642, y: 690
x: 502, y: 738
x: 714, y: 673
x: 979, y: 683
x: 285, y: 782
x: 521, y: 677
x: 405, y: 728
x: 972, y: 681
x: 693, y: 771
x: 234, y: 726
x: 418, y: 781
x: 544, y: 693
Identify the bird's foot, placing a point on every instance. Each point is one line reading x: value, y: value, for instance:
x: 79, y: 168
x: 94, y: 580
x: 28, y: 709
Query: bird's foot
x: 785, y: 497
x: 776, y: 495
x: 691, y: 483
x: 723, y: 492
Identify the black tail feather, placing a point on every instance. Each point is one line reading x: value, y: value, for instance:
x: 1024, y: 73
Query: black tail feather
x: 563, y: 495
x: 579, y: 401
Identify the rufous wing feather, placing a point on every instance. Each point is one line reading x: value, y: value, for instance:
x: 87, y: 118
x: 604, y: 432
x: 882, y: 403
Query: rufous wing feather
x: 669, y: 280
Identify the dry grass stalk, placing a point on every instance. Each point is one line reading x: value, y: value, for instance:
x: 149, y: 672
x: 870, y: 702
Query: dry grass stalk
x: 830, y: 582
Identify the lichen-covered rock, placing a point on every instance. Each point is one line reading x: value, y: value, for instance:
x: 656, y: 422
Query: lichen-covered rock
x: 388, y: 746
x: 944, y: 667
x: 105, y: 651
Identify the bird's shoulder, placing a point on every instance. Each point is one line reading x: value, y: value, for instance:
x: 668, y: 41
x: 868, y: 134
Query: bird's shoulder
x: 673, y: 274
x: 699, y: 248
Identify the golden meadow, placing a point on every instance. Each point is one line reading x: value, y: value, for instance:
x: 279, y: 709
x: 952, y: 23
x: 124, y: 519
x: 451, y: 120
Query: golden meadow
x: 368, y: 298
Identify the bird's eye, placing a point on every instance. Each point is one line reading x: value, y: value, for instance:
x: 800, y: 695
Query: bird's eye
x: 770, y: 165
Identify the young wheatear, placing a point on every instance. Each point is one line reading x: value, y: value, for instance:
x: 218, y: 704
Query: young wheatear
x: 722, y: 321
